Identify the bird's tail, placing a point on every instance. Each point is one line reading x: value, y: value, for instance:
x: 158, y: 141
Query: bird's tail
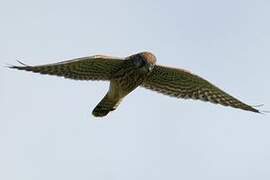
x: 106, y: 105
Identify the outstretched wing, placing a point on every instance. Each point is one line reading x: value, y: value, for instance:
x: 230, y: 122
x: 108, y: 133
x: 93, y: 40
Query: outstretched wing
x: 182, y: 84
x: 86, y: 68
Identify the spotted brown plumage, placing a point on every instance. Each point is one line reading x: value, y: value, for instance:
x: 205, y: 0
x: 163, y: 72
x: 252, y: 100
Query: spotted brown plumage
x: 183, y: 84
x: 126, y: 74
x: 86, y: 68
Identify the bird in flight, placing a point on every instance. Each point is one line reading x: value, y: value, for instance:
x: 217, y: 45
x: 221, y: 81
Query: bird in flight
x: 126, y: 74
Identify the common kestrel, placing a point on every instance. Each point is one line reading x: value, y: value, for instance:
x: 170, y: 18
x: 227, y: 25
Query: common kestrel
x: 126, y: 74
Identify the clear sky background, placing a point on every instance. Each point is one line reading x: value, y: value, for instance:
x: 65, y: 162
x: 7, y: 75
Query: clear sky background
x: 46, y: 127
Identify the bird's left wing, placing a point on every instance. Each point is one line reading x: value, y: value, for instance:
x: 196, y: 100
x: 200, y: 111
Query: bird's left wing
x: 86, y: 68
x: 182, y: 84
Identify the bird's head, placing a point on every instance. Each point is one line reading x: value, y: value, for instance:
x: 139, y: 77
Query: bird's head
x: 144, y: 61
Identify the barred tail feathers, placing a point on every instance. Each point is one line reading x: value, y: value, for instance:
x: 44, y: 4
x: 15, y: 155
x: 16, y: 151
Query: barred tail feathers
x: 106, y: 105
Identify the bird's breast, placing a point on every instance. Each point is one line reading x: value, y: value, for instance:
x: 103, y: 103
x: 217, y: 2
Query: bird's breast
x: 126, y: 81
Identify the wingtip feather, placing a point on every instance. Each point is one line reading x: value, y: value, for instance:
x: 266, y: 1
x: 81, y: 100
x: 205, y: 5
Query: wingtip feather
x: 17, y: 67
x: 259, y: 111
x: 20, y: 62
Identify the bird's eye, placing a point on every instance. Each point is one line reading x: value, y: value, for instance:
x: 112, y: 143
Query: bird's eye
x: 139, y: 62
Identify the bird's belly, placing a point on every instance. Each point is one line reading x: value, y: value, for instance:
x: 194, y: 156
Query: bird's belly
x: 121, y: 87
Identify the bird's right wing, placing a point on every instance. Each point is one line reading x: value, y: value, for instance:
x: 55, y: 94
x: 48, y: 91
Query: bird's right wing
x: 182, y: 84
x: 86, y: 68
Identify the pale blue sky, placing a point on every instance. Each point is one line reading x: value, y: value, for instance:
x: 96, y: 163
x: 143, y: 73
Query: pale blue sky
x: 46, y: 127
